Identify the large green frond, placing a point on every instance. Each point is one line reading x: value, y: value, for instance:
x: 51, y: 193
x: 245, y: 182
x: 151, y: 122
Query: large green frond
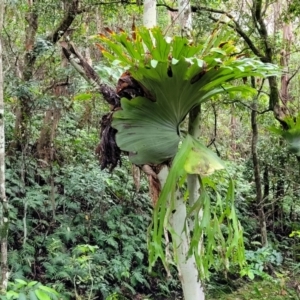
x: 176, y: 76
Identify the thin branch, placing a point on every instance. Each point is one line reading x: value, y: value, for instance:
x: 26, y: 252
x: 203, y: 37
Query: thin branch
x: 248, y: 106
x: 116, y: 2
x: 169, y: 8
x: 260, y: 88
x: 215, y: 126
x: 245, y: 37
x: 89, y: 74
x: 9, y: 41
x: 236, y: 26
x: 295, y: 73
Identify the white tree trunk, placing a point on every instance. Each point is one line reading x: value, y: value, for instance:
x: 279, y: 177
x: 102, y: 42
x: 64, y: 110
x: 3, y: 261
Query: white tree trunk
x: 3, y: 199
x: 149, y: 18
x: 187, y: 270
x: 185, y: 17
x: 188, y: 273
x: 191, y: 286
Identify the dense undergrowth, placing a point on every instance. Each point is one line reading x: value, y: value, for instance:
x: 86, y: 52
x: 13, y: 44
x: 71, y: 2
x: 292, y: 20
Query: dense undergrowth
x: 78, y: 229
x: 83, y: 231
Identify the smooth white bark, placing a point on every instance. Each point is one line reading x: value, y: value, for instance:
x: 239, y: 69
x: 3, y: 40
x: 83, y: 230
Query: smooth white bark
x: 188, y: 273
x: 149, y: 17
x: 191, y: 286
x: 185, y: 17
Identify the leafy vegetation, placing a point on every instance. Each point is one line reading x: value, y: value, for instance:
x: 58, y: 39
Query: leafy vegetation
x: 79, y: 232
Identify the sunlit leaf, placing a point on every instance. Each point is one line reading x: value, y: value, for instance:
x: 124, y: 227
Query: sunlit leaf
x: 291, y: 134
x: 32, y: 283
x: 21, y: 281
x: 202, y: 161
x: 42, y: 295
x: 83, y: 97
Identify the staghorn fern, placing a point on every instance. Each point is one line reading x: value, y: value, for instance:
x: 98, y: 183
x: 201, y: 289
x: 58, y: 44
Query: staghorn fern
x: 175, y: 77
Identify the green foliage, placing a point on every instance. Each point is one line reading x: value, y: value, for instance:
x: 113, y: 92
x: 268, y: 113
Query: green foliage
x: 226, y: 244
x: 291, y: 135
x: 176, y: 77
x: 258, y: 260
x: 91, y: 242
x: 256, y: 290
x: 295, y: 233
x: 31, y: 290
x: 97, y: 243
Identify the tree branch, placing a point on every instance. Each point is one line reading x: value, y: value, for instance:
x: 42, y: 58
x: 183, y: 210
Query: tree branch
x: 295, y: 73
x: 261, y: 27
x: 66, y: 22
x: 89, y: 74
x: 248, y: 106
x: 243, y: 35
x: 236, y: 26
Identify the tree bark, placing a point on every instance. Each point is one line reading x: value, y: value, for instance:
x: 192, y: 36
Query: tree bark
x: 185, y: 17
x: 4, y: 210
x: 193, y: 186
x: 188, y: 273
x: 149, y: 17
x: 186, y: 266
x: 25, y: 101
x: 257, y: 179
x: 45, y: 143
x: 45, y: 146
x: 266, y: 183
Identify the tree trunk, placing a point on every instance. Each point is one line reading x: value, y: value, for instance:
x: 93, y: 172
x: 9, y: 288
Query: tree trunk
x: 46, y: 151
x: 266, y: 183
x: 45, y: 146
x: 4, y: 210
x: 233, y: 127
x: 149, y: 17
x: 187, y: 270
x: 257, y: 179
x: 279, y: 189
x: 188, y: 273
x: 45, y: 143
x: 185, y: 17
x: 26, y: 101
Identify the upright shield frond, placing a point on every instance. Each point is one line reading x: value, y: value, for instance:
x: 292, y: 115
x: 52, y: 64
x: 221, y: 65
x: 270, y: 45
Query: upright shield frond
x: 176, y: 76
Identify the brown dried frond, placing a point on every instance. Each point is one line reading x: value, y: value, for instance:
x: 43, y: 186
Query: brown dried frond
x: 108, y: 151
x: 154, y: 188
x: 100, y: 47
x: 128, y: 87
x: 110, y: 31
x: 133, y: 28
